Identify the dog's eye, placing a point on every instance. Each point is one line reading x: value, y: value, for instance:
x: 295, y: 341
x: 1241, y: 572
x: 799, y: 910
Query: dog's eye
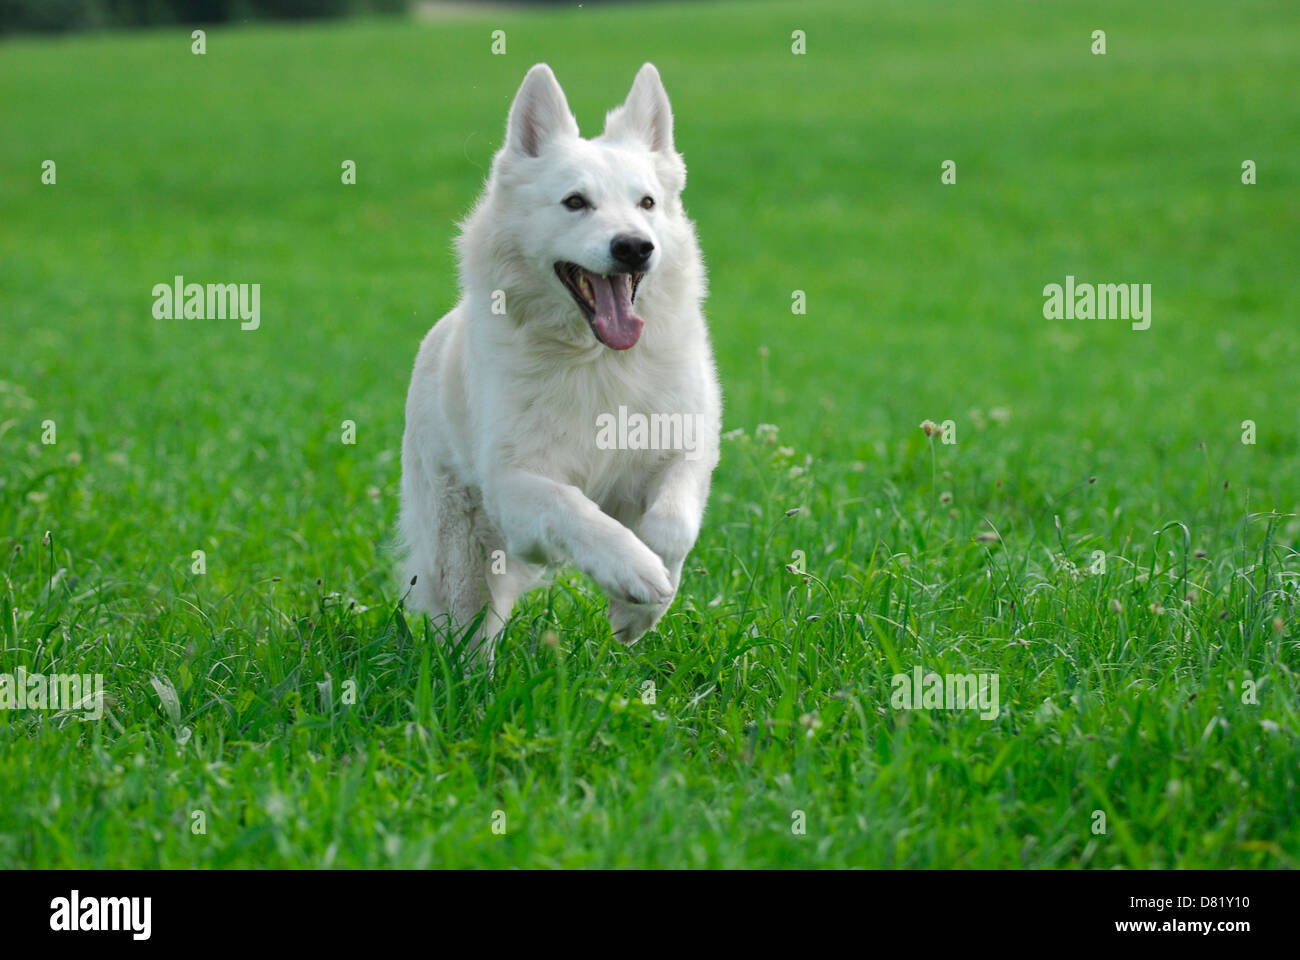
x: 574, y: 201
x: 647, y: 202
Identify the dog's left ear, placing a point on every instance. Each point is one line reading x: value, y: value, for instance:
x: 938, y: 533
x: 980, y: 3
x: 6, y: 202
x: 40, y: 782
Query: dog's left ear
x: 646, y: 114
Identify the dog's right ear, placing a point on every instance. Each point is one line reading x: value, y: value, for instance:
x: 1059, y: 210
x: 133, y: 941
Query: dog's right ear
x: 539, y: 114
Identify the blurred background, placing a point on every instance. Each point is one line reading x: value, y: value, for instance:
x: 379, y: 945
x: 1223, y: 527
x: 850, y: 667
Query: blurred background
x: 67, y: 15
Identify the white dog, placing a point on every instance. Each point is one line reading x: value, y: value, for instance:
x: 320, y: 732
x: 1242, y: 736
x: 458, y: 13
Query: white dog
x: 582, y: 284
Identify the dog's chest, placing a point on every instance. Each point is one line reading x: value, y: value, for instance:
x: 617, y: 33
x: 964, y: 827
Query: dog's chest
x: 606, y: 433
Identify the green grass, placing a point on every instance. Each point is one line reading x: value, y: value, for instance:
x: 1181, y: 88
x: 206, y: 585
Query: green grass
x: 818, y: 173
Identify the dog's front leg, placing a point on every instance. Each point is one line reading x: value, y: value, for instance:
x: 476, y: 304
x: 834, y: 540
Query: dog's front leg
x: 543, y: 520
x: 669, y: 527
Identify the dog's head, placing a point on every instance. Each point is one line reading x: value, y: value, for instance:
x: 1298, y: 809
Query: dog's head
x: 589, y: 221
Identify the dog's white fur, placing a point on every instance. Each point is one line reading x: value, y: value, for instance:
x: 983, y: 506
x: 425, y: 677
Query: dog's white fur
x: 500, y: 450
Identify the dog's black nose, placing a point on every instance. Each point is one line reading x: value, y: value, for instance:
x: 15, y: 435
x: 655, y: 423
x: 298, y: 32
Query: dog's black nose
x: 631, y: 251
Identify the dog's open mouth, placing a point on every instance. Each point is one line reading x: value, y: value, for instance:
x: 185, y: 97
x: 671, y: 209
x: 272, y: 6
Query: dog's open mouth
x: 606, y: 302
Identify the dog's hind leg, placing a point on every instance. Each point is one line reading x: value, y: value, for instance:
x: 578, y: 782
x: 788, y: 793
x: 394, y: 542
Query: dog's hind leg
x: 506, y: 580
x: 443, y: 557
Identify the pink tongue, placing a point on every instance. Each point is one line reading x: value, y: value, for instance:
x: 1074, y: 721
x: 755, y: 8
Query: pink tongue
x: 616, y: 325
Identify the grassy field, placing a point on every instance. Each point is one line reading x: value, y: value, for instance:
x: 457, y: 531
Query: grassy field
x: 1149, y: 676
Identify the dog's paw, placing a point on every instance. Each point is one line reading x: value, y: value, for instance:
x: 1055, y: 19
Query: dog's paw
x: 635, y: 575
x: 630, y: 621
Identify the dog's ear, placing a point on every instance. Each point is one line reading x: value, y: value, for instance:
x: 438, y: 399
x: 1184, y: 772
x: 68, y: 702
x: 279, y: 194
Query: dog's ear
x: 645, y: 115
x: 539, y: 114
